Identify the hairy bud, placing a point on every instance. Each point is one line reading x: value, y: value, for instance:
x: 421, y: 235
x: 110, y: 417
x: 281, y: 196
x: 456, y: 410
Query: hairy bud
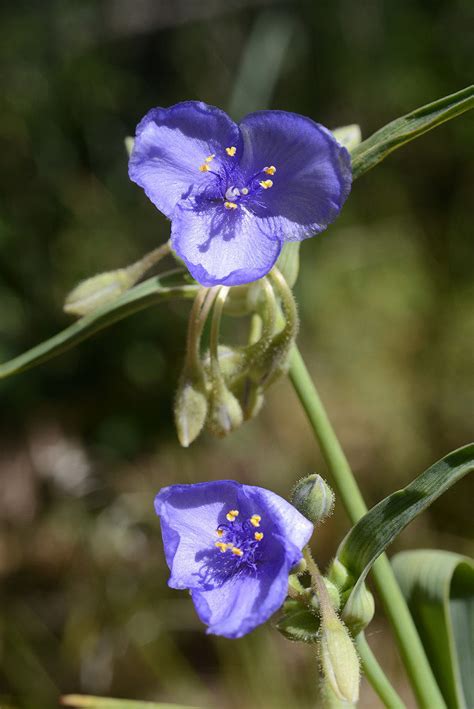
x: 313, y: 497
x: 359, y: 610
x: 190, y: 410
x: 225, y: 412
x: 339, y: 660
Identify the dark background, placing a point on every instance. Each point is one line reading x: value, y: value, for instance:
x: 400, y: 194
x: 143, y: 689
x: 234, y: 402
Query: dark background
x: 86, y: 440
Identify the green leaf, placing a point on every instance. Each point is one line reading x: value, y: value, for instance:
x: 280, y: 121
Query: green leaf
x: 378, y: 528
x: 79, y: 701
x: 141, y: 296
x: 439, y: 589
x: 400, y: 131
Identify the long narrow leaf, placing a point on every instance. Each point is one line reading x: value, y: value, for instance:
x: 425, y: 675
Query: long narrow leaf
x: 400, y: 131
x: 82, y: 701
x: 378, y: 528
x: 141, y: 296
x: 439, y: 589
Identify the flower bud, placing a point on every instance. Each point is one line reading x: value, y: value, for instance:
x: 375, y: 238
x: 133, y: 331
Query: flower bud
x: 98, y: 290
x: 106, y: 287
x: 313, y: 497
x: 225, y: 412
x: 339, y: 575
x: 339, y: 660
x: 289, y: 262
x: 359, y: 610
x: 333, y: 594
x: 190, y: 410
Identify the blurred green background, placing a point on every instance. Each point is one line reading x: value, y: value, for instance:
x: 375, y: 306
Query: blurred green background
x: 387, y: 325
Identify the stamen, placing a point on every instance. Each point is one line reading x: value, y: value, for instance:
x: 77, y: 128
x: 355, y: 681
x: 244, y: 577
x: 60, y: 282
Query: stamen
x: 258, y: 536
x: 266, y: 184
x: 255, y: 520
x: 232, y: 514
x: 270, y: 170
x: 230, y: 205
x: 222, y: 546
x: 237, y: 551
x: 220, y: 532
x: 231, y: 151
x: 244, y: 190
x: 204, y: 168
x: 210, y: 158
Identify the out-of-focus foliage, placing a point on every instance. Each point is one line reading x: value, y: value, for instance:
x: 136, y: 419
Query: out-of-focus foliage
x: 386, y: 305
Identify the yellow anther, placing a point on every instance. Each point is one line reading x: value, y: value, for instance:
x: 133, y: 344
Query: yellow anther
x: 210, y: 158
x: 255, y: 520
x: 237, y: 551
x: 204, y: 168
x: 266, y: 184
x: 244, y: 190
x: 258, y: 536
x: 222, y: 546
x: 230, y: 205
x: 232, y: 514
x: 231, y: 151
x: 270, y: 170
x: 220, y: 532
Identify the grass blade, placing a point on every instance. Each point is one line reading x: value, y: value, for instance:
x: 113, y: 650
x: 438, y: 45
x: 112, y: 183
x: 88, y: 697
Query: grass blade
x: 371, y: 536
x: 439, y: 589
x: 141, y: 296
x: 400, y: 131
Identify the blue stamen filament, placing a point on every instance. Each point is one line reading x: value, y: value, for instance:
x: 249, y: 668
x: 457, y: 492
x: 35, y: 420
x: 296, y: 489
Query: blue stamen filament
x: 240, y: 540
x: 233, y: 195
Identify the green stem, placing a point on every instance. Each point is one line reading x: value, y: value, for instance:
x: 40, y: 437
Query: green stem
x: 376, y: 675
x: 408, y: 640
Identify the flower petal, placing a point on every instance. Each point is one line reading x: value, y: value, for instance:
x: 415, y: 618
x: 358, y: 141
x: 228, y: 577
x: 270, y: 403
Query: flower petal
x: 190, y: 515
x: 222, y: 246
x: 172, y: 143
x: 244, y: 602
x: 312, y: 178
x: 295, y: 530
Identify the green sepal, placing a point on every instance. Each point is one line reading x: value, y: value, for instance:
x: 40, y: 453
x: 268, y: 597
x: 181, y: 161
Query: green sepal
x: 298, y: 623
x: 439, y: 589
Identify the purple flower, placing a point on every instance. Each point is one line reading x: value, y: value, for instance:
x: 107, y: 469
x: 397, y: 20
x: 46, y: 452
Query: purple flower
x: 232, y: 546
x: 236, y: 193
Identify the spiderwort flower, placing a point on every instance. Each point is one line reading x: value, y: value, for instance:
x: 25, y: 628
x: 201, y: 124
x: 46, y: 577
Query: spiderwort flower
x: 236, y: 193
x: 233, y: 547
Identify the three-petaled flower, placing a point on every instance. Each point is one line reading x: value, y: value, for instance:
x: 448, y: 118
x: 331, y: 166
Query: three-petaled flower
x: 236, y: 193
x: 233, y: 547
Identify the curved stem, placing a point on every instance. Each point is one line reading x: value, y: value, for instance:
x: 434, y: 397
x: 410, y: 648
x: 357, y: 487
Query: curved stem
x: 376, y: 676
x: 408, y: 640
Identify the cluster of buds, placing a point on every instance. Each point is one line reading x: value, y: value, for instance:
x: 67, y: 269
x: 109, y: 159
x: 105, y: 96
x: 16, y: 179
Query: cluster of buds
x: 222, y: 386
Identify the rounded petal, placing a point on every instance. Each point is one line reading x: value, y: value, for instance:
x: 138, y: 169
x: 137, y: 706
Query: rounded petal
x: 312, y: 178
x: 244, y: 602
x: 222, y: 246
x: 190, y: 515
x: 293, y: 529
x: 172, y: 143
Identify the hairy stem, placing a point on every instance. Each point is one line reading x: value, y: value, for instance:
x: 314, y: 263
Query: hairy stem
x: 408, y: 640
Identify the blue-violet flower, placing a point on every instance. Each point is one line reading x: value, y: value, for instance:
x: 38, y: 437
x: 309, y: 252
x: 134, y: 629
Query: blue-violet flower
x: 233, y: 547
x: 236, y: 193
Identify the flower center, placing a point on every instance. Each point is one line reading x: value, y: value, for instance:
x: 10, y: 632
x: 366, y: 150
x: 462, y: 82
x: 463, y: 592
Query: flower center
x: 234, y: 195
x: 239, y: 540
